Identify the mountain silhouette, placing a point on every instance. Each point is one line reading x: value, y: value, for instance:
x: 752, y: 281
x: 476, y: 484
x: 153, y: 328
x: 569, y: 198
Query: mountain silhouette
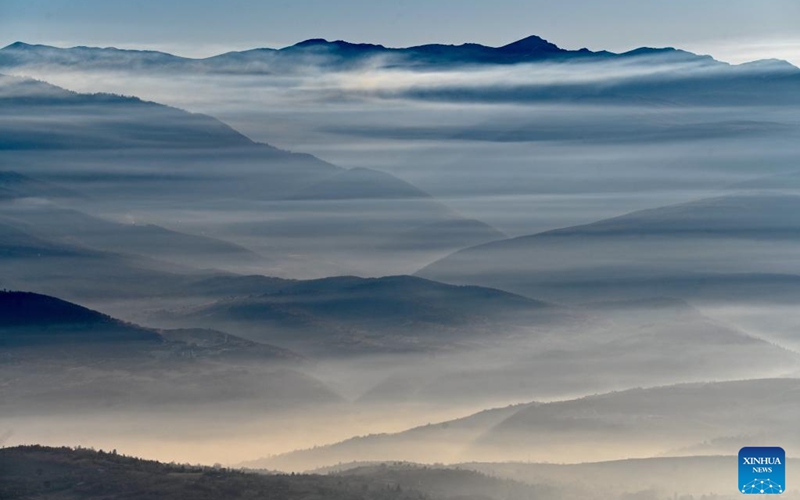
x: 31, y: 319
x: 664, y: 75
x: 336, y: 54
x: 63, y: 356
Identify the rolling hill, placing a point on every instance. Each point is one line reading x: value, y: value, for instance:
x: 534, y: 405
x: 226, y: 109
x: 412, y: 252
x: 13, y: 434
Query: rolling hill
x: 349, y: 315
x: 660, y: 477
x: 51, y: 473
x: 72, y: 227
x: 127, y: 155
x: 33, y: 319
x: 713, y: 418
x: 618, y: 345
x: 61, y: 356
x: 654, y: 478
x: 738, y: 247
x: 437, y: 443
x: 492, y: 348
x: 74, y: 271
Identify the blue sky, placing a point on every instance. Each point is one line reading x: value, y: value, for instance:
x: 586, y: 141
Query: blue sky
x: 735, y: 30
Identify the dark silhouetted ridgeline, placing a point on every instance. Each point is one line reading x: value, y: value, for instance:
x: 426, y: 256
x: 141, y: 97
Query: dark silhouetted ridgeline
x: 696, y: 79
x: 66, y: 473
x: 59, y: 355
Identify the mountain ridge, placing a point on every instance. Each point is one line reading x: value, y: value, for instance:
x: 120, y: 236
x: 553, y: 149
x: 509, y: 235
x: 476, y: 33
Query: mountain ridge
x: 527, y: 49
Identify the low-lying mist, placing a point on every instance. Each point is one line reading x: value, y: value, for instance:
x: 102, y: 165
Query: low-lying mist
x: 491, y: 160
x: 485, y: 263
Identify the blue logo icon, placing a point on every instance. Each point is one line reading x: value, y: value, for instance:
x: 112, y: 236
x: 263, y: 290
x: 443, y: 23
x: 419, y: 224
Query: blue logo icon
x: 762, y: 470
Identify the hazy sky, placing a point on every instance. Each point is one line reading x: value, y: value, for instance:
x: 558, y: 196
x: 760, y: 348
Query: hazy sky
x: 731, y: 30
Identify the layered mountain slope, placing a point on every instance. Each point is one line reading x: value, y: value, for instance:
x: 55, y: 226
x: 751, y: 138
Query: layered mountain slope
x: 717, y: 417
x: 740, y: 246
x: 29, y: 321
x: 129, y: 155
x: 75, y: 271
x: 348, y: 315
x: 33, y: 319
x: 441, y: 442
x: 125, y: 148
x: 618, y: 346
x: 101, y: 121
x: 59, y: 356
x: 73, y: 227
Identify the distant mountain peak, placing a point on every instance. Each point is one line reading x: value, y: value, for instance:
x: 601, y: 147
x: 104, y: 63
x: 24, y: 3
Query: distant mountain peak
x: 18, y: 45
x: 773, y: 64
x: 28, y: 318
x: 671, y: 52
x: 26, y: 308
x: 530, y: 44
x: 311, y: 42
